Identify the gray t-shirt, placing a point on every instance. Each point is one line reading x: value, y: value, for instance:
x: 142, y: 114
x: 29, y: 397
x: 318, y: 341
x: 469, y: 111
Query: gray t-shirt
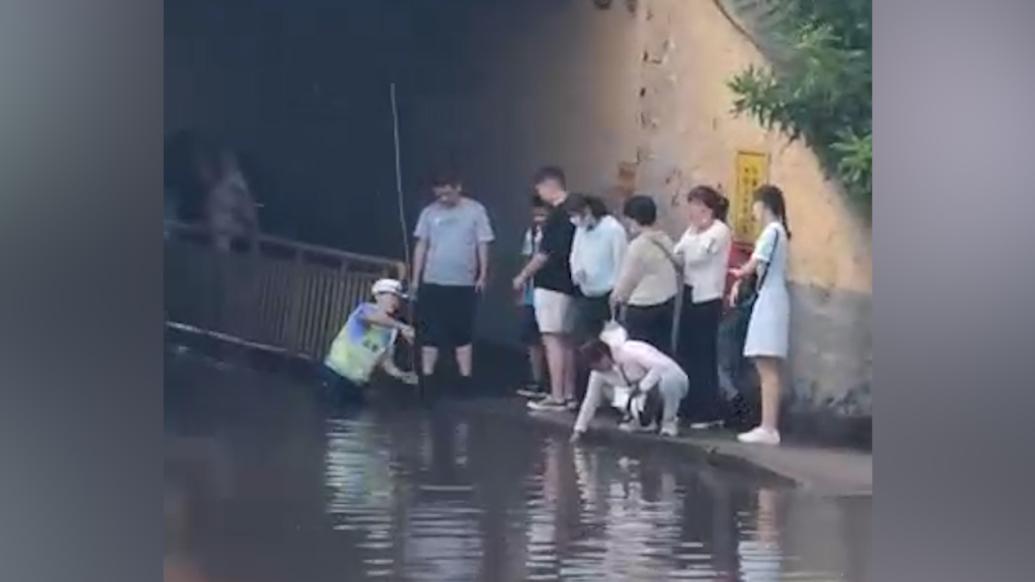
x: 452, y: 235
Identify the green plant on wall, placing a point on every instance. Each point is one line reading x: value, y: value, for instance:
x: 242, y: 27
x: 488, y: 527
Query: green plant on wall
x: 819, y: 86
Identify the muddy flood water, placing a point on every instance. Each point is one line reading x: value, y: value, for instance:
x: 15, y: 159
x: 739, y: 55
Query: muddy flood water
x: 266, y: 482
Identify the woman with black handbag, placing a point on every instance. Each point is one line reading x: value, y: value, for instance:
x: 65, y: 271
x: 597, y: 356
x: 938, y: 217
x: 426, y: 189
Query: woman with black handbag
x: 768, y: 328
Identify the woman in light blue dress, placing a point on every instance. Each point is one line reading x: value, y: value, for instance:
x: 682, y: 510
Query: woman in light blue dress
x: 768, y: 329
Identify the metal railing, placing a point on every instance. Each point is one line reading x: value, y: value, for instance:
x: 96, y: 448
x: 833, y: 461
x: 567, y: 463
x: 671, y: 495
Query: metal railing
x: 272, y: 293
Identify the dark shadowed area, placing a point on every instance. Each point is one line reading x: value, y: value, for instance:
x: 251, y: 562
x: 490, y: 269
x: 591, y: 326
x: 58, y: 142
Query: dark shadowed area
x: 302, y: 90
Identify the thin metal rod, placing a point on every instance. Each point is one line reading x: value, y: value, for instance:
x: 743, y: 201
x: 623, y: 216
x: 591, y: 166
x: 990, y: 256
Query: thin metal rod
x: 414, y: 347
x: 398, y: 179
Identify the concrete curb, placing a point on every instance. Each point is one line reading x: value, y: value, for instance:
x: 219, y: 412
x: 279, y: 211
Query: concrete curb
x: 816, y: 470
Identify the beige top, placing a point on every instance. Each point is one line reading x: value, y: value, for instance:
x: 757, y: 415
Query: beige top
x: 647, y: 276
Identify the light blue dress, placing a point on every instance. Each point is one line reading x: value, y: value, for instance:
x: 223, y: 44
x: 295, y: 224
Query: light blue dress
x: 769, y: 327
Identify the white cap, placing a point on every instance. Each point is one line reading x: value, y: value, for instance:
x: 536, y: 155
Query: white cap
x: 392, y: 286
x: 614, y: 334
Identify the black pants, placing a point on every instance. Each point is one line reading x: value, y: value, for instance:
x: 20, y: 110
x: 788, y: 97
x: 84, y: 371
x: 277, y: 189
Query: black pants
x: 651, y: 324
x: 591, y: 313
x: 699, y: 357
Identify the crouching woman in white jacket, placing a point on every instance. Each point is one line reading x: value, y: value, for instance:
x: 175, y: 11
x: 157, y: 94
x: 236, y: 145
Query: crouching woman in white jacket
x: 631, y: 364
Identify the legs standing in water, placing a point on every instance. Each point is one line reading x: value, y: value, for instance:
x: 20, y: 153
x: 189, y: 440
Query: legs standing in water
x: 446, y: 316
x: 769, y: 374
x: 464, y: 360
x: 428, y: 359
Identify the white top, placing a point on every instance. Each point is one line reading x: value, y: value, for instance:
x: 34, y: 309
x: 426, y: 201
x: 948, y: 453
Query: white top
x: 706, y: 257
x: 638, y: 363
x: 596, y: 256
x: 635, y: 363
x: 648, y: 276
x: 643, y: 364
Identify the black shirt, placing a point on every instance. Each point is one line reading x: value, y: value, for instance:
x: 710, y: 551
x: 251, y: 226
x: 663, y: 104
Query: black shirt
x: 558, y: 233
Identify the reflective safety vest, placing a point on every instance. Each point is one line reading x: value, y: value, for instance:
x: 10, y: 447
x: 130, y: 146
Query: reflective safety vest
x: 359, y: 348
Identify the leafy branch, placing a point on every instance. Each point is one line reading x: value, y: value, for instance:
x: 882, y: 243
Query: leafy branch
x: 819, y: 86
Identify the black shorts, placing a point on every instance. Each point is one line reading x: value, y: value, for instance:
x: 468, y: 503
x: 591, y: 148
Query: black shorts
x: 445, y: 315
x: 530, y: 335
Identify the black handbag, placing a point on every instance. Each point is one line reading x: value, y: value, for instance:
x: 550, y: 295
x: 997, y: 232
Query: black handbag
x: 653, y: 403
x: 744, y: 304
x: 750, y: 286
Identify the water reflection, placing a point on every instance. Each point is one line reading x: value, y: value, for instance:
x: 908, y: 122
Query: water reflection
x: 289, y: 492
x: 436, y: 503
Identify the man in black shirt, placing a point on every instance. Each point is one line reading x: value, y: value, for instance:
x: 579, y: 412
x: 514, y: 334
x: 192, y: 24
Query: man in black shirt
x: 554, y: 291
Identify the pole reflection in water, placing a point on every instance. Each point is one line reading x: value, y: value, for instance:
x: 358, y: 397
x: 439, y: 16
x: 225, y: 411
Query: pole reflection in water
x: 397, y: 492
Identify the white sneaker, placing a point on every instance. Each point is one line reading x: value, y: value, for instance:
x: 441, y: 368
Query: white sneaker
x: 635, y: 426
x: 670, y: 429
x: 547, y: 404
x: 708, y: 425
x: 760, y: 436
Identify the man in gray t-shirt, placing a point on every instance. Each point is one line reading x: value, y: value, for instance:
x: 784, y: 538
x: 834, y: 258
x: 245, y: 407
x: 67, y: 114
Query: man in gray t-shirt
x: 450, y: 266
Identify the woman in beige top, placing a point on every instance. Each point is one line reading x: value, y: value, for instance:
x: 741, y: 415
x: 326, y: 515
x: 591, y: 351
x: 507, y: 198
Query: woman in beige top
x: 647, y: 282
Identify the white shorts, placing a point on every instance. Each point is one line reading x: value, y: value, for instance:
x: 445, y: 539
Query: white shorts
x: 554, y: 311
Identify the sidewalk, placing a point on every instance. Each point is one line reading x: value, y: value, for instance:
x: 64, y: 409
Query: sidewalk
x: 823, y: 471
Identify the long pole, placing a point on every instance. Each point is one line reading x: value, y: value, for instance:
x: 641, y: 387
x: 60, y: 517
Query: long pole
x: 414, y: 348
x: 398, y: 179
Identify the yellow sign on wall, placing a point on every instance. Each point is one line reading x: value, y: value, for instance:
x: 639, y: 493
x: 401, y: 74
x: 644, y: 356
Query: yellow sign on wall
x: 752, y: 171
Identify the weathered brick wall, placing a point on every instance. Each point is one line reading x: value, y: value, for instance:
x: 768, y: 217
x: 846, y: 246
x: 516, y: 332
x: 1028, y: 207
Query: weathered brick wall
x: 688, y: 135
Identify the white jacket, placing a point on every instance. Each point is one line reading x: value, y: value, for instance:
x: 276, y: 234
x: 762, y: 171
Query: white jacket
x: 636, y: 363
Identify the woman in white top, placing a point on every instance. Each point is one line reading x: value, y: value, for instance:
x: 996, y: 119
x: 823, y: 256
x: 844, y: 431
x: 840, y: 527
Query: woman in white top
x: 631, y: 364
x: 704, y: 251
x: 596, y: 255
x: 647, y: 283
x: 768, y: 329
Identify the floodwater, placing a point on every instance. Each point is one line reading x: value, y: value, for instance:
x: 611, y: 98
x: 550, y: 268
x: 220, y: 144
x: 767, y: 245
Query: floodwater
x: 266, y: 482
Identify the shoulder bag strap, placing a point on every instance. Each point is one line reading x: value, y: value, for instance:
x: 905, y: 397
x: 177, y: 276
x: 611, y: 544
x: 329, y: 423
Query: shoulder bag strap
x: 769, y: 263
x: 669, y: 255
x: 678, y: 307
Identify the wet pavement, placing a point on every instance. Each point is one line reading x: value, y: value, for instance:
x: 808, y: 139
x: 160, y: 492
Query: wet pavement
x: 265, y: 481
